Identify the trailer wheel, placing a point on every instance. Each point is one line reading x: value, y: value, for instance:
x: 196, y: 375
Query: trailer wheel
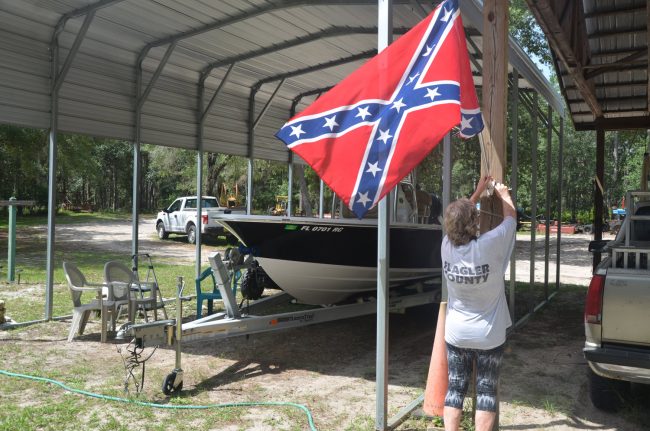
x: 250, y: 287
x: 587, y: 229
x: 168, y: 387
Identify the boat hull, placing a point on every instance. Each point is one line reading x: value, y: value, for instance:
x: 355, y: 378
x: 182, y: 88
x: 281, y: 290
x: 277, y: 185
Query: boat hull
x: 322, y: 261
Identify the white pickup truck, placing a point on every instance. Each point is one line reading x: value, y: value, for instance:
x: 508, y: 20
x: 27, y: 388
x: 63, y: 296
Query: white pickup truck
x: 180, y: 218
x: 617, y: 309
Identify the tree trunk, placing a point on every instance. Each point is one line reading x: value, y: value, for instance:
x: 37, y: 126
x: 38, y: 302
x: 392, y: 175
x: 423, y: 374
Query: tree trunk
x: 214, y: 172
x: 304, y: 192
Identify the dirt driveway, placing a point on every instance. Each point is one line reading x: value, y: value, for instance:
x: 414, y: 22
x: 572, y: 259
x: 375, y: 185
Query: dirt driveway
x: 329, y: 368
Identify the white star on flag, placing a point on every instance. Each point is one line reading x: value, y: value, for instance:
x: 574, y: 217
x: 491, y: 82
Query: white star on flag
x: 447, y: 16
x: 363, y: 198
x: 297, y: 131
x: 432, y: 94
x: 429, y: 49
x: 384, y: 136
x: 363, y: 113
x: 331, y: 122
x: 373, y: 168
x: 465, y: 122
x: 398, y: 104
x: 412, y: 78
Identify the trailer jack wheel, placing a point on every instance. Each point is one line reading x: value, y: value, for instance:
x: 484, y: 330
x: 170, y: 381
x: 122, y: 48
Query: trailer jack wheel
x: 173, y: 383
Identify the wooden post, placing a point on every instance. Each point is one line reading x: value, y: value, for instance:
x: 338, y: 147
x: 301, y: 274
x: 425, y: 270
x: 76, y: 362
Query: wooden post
x: 599, y: 189
x: 494, y: 107
x: 494, y: 103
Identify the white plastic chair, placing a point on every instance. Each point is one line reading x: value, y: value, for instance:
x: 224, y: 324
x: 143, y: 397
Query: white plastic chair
x: 81, y: 312
x: 125, y: 289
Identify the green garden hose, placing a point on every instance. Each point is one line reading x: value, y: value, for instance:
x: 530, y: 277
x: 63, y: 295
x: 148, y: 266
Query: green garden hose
x: 162, y: 406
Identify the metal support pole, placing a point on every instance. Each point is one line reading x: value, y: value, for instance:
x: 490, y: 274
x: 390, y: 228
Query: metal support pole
x: 549, y: 148
x: 560, y: 163
x: 199, y: 176
x: 534, y: 138
x: 384, y: 37
x: 290, y: 186
x: 56, y: 80
x: 251, y: 143
x: 135, y: 192
x: 321, y: 199
x: 446, y: 191
x: 11, y: 243
x: 514, y: 121
x: 140, y: 99
x: 51, y: 188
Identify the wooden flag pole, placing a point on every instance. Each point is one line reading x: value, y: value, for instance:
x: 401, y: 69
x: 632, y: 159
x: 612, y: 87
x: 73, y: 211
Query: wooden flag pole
x: 494, y: 104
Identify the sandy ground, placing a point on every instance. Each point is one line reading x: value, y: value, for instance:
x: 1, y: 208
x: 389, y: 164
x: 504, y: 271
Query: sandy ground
x: 330, y: 368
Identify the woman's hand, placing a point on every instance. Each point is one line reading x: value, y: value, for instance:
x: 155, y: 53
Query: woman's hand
x: 504, y: 194
x: 502, y: 191
x: 482, y: 185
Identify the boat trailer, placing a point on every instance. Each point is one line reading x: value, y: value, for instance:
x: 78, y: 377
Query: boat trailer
x: 234, y: 321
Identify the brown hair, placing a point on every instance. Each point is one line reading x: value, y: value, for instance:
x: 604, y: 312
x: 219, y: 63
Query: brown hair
x: 461, y: 222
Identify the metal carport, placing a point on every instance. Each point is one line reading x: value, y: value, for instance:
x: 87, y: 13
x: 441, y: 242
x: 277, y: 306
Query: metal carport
x: 210, y: 76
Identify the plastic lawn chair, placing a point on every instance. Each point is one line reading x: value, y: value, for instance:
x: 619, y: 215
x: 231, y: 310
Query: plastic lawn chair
x: 81, y: 312
x: 214, y: 294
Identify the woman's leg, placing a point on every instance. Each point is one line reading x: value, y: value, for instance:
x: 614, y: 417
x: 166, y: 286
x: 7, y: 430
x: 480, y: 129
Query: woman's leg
x: 488, y: 363
x: 460, y: 369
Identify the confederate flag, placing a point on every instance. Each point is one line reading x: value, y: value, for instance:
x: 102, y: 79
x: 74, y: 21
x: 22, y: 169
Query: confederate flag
x: 368, y: 132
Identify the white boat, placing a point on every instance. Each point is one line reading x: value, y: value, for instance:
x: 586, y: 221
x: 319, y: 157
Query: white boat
x: 326, y: 261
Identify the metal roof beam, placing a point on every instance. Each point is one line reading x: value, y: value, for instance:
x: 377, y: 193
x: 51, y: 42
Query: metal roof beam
x: 256, y: 11
x: 628, y: 123
x: 615, y: 11
x: 599, y: 69
x: 613, y: 52
x: 647, y: 17
x: 611, y: 85
x: 299, y: 97
x: 615, y: 32
x: 142, y: 98
x: 623, y: 113
x: 624, y: 100
x: 329, y: 32
x: 268, y: 104
x: 205, y: 112
x: 321, y: 66
x: 60, y: 76
x: 93, y: 7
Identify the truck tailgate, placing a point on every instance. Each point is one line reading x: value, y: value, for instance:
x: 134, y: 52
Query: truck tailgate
x: 626, y: 299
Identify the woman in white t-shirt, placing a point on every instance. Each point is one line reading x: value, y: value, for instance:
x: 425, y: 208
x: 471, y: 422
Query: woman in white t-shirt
x: 477, y: 312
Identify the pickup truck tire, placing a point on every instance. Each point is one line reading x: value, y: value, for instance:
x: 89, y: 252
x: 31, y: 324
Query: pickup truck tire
x: 191, y: 233
x: 162, y: 233
x: 607, y: 394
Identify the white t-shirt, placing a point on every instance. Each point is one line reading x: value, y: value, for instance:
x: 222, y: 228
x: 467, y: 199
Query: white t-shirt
x: 477, y: 312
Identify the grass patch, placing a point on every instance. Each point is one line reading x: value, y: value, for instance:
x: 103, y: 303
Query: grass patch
x: 65, y: 218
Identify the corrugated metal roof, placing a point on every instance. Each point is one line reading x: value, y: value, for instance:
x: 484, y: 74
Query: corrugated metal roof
x: 274, y: 38
x: 601, y: 56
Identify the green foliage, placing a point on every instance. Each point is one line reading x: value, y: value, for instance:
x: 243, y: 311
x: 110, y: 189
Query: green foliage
x: 23, y: 164
x: 526, y: 31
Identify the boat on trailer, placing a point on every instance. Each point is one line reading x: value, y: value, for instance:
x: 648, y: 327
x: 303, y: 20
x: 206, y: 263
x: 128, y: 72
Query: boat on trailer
x: 329, y: 260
